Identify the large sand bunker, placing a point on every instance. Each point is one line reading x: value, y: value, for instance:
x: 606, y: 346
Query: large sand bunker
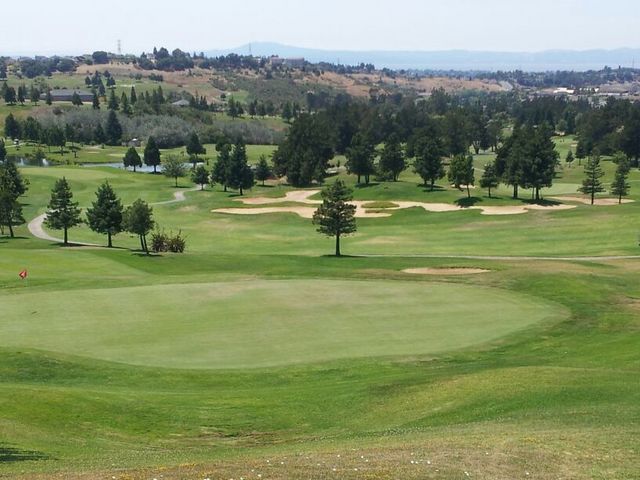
x: 598, y: 201
x: 303, y: 196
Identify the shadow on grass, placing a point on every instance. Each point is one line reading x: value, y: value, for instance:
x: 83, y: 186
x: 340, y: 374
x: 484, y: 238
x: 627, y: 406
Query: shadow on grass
x: 265, y: 186
x: 428, y: 189
x: 542, y: 201
x: 10, y: 455
x: 367, y: 185
x: 467, y: 202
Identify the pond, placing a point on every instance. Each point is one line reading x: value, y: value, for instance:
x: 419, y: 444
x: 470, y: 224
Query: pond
x: 32, y: 162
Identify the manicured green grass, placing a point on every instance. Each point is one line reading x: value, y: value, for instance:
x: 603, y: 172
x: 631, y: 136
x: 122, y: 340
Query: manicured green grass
x: 255, y: 346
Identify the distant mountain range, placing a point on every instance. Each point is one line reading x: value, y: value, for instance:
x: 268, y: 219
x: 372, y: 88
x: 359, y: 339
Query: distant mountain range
x: 463, y: 60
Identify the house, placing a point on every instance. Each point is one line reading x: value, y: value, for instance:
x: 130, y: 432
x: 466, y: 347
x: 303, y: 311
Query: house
x: 64, y: 95
x: 134, y: 142
x: 298, y: 62
x: 181, y: 103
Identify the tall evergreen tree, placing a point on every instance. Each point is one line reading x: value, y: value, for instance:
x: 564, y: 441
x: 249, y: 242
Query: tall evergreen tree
x: 95, y: 103
x: 263, y: 170
x: 429, y: 150
x: 76, y: 100
x: 221, y: 166
x: 239, y: 174
x: 133, y: 95
x: 194, y: 147
x: 3, y: 151
x: 12, y: 127
x: 132, y: 159
x: 152, y: 154
x: 593, y: 173
x: 105, y: 214
x: 12, y: 186
x: 620, y: 186
x: 63, y: 213
x: 10, y: 96
x: 461, y: 172
x: 392, y: 158
x: 360, y: 157
x: 200, y: 176
x: 489, y: 178
x: 113, y: 129
x: 336, y: 216
x: 113, y: 101
x: 138, y: 219
x: 125, y: 105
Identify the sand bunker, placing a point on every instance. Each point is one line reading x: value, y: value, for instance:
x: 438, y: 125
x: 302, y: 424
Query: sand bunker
x: 445, y: 271
x: 302, y: 196
x: 598, y: 201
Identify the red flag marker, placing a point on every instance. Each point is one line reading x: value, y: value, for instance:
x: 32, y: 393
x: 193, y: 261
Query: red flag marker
x: 23, y: 274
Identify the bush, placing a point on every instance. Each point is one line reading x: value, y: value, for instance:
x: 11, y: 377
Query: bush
x: 161, y: 242
x: 177, y: 243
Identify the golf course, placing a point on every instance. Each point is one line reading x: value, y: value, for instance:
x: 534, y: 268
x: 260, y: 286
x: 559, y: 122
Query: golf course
x: 256, y: 354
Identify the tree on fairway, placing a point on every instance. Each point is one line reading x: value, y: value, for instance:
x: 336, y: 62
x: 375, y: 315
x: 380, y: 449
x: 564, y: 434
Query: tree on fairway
x: 126, y: 106
x: 569, y: 158
x: 489, y: 178
x: 200, y: 176
x: 173, y: 167
x: 22, y: 94
x: 12, y: 186
x: 138, y: 219
x: 360, y: 157
x: 34, y: 95
x: 133, y: 95
x: 392, y: 159
x: 112, y: 104
x: 56, y: 138
x: 461, y: 172
x: 593, y: 173
x: 48, y: 98
x: 220, y: 170
x: 539, y: 162
x: 95, y: 103
x: 76, y: 100
x: 194, y: 147
x: 10, y: 96
x: 620, y: 186
x: 151, y: 154
x: 336, y: 217
x: 105, y: 214
x: 429, y: 151
x: 263, y: 170
x: 12, y: 128
x: 113, y: 129
x: 239, y: 174
x: 132, y: 159
x: 63, y: 213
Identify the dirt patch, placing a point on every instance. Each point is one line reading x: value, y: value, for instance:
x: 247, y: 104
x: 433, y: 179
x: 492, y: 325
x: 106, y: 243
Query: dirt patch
x: 445, y: 271
x: 598, y: 201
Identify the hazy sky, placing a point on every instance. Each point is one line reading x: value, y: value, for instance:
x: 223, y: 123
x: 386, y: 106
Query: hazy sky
x: 74, y: 26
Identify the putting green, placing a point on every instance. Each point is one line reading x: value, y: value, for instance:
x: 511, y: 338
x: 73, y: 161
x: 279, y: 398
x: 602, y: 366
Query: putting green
x: 260, y: 323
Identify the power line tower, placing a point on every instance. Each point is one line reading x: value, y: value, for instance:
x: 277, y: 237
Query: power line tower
x: 119, y: 47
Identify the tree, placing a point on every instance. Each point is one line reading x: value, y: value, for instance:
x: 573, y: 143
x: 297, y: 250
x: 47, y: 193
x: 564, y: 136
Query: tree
x: 630, y: 141
x: 10, y: 96
x: 194, y: 147
x: 98, y: 134
x: 461, y: 172
x: 48, y: 98
x: 113, y: 129
x: 489, y: 178
x: 132, y: 159
x: 263, y: 170
x: 540, y: 159
x: 126, y: 106
x: 76, y: 100
x: 56, y: 138
x: 569, y: 158
x: 593, y: 173
x: 113, y: 104
x: 12, y: 128
x: 509, y: 160
x: 287, y: 112
x: 63, y: 213
x: 429, y: 150
x: 34, y: 95
x: 200, y: 176
x: 95, y: 103
x: 138, y: 219
x: 173, y: 167
x: 336, y: 217
x: 239, y: 174
x: 12, y: 186
x: 620, y: 186
x: 133, y: 95
x: 3, y: 151
x: 580, y: 152
x: 392, y: 159
x: 152, y: 154
x: 360, y: 157
x: 221, y: 167
x: 105, y: 214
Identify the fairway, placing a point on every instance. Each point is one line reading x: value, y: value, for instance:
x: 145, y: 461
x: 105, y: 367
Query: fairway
x: 261, y: 323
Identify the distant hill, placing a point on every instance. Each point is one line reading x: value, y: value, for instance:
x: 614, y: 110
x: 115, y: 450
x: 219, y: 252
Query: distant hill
x: 452, y: 59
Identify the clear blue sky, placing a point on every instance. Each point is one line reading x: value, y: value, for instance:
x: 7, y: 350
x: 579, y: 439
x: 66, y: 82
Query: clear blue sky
x: 73, y: 26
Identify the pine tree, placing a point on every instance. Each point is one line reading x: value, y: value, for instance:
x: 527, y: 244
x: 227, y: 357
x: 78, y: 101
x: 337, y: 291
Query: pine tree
x: 132, y: 159
x: 336, y: 217
x: 461, y: 172
x: 428, y: 164
x: 125, y: 105
x: 105, y: 215
x: 360, y: 157
x: 593, y: 173
x: 138, y: 219
x: 152, y: 154
x: 569, y: 159
x: 392, y: 159
x: 194, y: 147
x: 239, y: 174
x: 134, y: 96
x: 263, y: 170
x: 12, y: 186
x: 95, y: 103
x: 48, y: 98
x: 10, y: 96
x: 489, y: 178
x: 221, y: 167
x: 113, y: 101
x: 12, y: 128
x: 200, y: 176
x: 63, y: 213
x: 620, y: 187
x: 3, y: 151
x: 76, y: 100
x: 98, y: 134
x: 113, y: 129
x: 34, y: 95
